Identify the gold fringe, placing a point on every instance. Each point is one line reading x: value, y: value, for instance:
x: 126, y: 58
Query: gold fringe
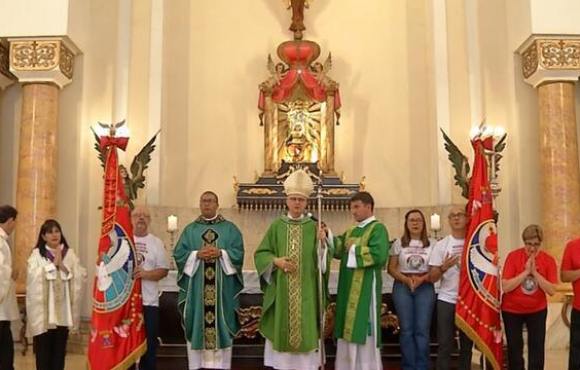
x: 481, y: 345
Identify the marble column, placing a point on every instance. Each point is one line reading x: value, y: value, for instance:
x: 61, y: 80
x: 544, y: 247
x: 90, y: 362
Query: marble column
x: 552, y: 65
x: 43, y: 66
x: 559, y: 165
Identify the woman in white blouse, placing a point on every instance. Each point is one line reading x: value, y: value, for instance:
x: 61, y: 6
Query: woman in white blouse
x: 413, y: 293
x: 53, y: 295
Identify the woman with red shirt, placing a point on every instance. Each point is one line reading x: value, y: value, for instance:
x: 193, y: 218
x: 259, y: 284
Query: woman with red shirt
x: 528, y: 275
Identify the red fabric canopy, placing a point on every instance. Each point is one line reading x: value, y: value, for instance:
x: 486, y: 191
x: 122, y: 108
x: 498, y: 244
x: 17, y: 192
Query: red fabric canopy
x: 299, y: 54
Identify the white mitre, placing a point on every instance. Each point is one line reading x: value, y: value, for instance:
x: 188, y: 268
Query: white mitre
x: 299, y: 183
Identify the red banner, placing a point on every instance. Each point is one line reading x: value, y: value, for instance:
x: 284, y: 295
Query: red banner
x: 117, y: 328
x: 478, y: 302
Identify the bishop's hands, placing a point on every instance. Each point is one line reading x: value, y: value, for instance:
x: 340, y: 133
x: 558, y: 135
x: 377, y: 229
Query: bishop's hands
x: 285, y: 264
x: 209, y: 252
x: 323, y: 233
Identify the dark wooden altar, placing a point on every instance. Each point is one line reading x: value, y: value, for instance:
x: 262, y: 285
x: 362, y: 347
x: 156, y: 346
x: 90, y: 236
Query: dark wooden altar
x: 249, y: 345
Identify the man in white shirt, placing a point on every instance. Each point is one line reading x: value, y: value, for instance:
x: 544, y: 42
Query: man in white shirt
x: 152, y: 267
x: 444, y: 265
x: 8, y: 307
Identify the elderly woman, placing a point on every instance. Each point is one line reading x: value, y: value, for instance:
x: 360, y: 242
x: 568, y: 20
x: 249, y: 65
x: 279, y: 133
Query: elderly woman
x: 528, y: 275
x: 413, y: 293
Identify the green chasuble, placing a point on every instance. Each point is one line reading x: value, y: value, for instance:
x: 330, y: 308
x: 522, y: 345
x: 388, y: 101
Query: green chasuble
x: 208, y: 300
x: 355, y: 285
x: 290, y: 309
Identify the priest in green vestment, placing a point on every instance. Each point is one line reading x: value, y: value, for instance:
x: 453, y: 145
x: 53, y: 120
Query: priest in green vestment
x: 362, y: 251
x: 287, y: 261
x: 209, y: 257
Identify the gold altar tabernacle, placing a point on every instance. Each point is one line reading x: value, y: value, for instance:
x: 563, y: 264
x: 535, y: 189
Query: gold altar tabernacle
x: 299, y: 108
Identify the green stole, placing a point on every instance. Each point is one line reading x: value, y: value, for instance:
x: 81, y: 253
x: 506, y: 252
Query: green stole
x: 355, y: 285
x: 208, y: 300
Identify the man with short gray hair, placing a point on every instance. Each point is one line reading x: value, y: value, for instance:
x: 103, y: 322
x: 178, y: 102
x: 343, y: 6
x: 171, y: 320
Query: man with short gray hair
x: 152, y: 267
x: 444, y: 265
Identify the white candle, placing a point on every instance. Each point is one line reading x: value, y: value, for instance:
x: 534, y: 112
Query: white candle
x: 172, y: 223
x: 435, y: 222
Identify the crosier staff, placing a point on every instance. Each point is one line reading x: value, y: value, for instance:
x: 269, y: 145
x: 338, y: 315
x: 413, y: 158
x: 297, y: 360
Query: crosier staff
x: 320, y: 277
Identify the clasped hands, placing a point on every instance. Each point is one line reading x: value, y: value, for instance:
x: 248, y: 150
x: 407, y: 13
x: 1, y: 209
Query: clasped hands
x: 415, y: 280
x: 209, y: 253
x: 58, y: 261
x: 531, y: 265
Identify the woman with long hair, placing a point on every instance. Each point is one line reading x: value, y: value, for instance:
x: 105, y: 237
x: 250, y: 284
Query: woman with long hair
x: 53, y: 295
x: 413, y: 293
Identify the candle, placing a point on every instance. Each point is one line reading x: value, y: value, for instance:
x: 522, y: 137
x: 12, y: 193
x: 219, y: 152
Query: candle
x: 435, y: 222
x: 172, y: 223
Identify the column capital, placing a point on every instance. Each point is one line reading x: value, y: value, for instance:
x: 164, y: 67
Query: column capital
x: 6, y: 78
x: 43, y: 59
x: 548, y: 58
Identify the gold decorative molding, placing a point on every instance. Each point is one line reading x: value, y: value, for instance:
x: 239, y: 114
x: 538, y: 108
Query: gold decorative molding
x: 43, y: 60
x: 6, y: 78
x: 259, y: 191
x: 339, y: 192
x: 550, y: 58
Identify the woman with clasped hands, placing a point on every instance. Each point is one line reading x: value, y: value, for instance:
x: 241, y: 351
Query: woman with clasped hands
x: 54, y: 282
x: 413, y: 293
x: 528, y: 275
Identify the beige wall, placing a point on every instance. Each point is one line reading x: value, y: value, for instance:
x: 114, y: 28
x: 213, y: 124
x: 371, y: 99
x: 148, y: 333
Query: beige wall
x: 213, y: 57
x: 213, y: 64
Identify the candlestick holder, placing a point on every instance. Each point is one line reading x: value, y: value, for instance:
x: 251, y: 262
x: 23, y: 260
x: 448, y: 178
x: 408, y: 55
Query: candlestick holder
x: 436, y: 234
x: 172, y: 234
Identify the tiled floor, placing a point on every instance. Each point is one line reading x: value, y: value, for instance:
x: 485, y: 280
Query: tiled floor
x: 555, y: 360
x: 73, y: 362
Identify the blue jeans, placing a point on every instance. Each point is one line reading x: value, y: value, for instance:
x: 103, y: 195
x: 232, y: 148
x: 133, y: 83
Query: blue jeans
x: 414, y: 310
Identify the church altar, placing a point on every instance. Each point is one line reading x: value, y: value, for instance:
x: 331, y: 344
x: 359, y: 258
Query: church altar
x: 252, y: 283
x: 248, y: 346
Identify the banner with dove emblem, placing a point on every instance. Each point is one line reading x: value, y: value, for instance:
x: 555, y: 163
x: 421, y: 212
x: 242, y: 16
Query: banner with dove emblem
x: 117, y: 339
x: 477, y: 312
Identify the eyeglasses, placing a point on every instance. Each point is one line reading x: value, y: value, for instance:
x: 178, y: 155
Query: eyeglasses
x: 532, y: 244
x: 137, y: 215
x: 415, y: 220
x: 458, y: 214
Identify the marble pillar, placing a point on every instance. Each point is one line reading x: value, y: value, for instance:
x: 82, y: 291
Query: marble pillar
x: 43, y: 66
x: 559, y: 165
x: 552, y: 65
x: 37, y: 167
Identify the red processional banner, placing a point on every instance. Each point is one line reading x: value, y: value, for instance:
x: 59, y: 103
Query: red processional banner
x: 117, y: 336
x: 478, y: 311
